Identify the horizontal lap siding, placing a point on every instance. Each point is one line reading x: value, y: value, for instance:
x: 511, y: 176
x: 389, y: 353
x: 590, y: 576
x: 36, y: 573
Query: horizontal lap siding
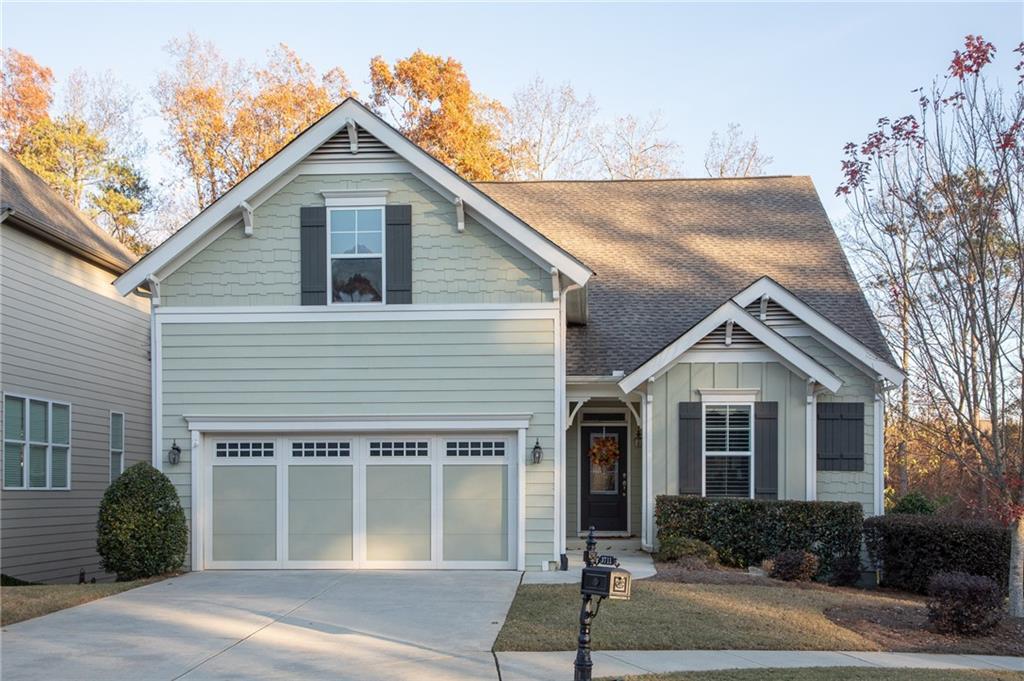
x: 475, y: 266
x: 368, y: 367
x: 66, y: 335
x: 856, y: 486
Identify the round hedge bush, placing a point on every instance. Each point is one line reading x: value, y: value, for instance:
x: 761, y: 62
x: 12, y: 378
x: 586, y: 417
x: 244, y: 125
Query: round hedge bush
x: 141, y: 530
x: 675, y: 548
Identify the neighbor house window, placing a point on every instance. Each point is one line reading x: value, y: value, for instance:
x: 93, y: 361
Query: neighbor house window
x: 728, y: 450
x: 116, y: 444
x: 357, y: 255
x: 37, y: 443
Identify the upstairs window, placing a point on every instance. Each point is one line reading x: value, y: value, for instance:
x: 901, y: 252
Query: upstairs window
x: 356, y: 251
x: 37, y: 444
x: 728, y: 450
x: 116, y: 444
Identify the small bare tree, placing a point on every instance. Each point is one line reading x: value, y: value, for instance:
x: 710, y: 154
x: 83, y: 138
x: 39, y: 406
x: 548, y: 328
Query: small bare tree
x: 937, y: 197
x: 734, y: 155
x: 546, y: 132
x: 631, y: 149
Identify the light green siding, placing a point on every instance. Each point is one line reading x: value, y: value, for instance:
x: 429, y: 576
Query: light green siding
x: 329, y: 368
x: 475, y: 266
x: 683, y: 382
x: 856, y: 486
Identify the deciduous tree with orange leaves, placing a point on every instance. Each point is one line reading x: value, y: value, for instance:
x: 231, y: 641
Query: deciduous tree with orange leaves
x: 27, y: 92
x: 429, y: 98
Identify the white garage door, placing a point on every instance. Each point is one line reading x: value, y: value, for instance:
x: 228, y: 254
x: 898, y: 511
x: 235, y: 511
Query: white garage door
x: 367, y: 501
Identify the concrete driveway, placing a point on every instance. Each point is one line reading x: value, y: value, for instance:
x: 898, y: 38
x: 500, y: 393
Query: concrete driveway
x: 281, y: 625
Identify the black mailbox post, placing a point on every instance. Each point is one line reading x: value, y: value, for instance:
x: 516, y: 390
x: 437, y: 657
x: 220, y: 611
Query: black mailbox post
x: 601, y: 578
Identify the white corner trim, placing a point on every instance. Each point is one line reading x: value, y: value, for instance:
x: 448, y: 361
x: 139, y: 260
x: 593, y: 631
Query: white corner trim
x: 197, y: 492
x: 878, y: 460
x: 647, y: 477
x: 354, y: 197
x: 766, y: 286
x: 811, y: 444
x: 314, y: 136
x: 790, y: 355
x: 521, y: 484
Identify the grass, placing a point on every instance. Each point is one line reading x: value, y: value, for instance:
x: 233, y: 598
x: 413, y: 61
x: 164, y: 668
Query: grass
x: 673, y: 616
x: 19, y: 603
x: 835, y: 674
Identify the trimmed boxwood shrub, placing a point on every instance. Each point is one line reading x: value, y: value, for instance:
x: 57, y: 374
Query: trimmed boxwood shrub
x: 141, y: 530
x: 794, y: 566
x: 914, y: 503
x: 910, y: 549
x: 746, y: 531
x: 674, y: 548
x: 964, y: 604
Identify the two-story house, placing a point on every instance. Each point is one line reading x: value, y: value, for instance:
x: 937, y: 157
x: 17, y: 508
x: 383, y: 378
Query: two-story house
x: 362, y: 360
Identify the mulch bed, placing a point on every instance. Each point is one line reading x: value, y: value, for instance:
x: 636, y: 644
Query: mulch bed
x: 906, y: 629
x: 899, y: 628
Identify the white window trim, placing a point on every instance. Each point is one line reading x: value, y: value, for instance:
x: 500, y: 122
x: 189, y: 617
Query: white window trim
x: 49, y: 444
x: 361, y: 205
x: 110, y: 422
x: 733, y: 402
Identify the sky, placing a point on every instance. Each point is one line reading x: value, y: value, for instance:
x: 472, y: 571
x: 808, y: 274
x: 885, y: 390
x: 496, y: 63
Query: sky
x: 805, y: 78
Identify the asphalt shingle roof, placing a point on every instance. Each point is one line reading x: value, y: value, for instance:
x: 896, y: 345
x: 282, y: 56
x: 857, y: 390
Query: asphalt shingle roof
x: 30, y: 198
x: 666, y: 253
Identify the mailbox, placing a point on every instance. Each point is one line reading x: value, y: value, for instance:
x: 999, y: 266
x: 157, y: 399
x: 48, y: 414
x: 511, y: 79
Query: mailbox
x: 605, y: 581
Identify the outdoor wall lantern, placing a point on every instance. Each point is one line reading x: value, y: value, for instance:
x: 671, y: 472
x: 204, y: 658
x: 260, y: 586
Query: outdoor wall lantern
x: 174, y: 453
x: 538, y: 452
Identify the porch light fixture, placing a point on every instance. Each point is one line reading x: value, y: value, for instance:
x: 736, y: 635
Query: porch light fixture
x: 174, y: 453
x: 538, y: 452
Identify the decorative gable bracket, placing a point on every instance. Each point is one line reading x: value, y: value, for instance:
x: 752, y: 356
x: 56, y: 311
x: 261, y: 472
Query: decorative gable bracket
x: 246, y: 217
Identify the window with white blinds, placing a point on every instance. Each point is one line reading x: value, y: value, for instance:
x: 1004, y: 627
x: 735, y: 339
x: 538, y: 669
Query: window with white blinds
x: 728, y: 450
x: 37, y: 444
x: 116, y: 444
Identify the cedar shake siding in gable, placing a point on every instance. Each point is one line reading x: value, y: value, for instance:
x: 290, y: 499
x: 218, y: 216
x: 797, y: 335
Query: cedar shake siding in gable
x: 475, y: 266
x: 66, y: 335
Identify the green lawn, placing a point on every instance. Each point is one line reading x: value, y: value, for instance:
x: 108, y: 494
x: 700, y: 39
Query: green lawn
x: 673, y: 616
x: 834, y: 674
x: 19, y: 603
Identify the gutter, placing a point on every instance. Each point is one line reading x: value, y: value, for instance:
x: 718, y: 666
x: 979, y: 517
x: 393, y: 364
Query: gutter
x: 53, y: 236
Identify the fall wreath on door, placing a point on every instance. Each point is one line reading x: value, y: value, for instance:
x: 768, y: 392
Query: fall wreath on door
x: 604, y: 451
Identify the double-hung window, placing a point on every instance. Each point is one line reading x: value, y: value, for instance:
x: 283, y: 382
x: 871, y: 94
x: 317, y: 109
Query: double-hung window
x: 37, y: 444
x: 116, y: 444
x: 356, y: 251
x: 728, y: 450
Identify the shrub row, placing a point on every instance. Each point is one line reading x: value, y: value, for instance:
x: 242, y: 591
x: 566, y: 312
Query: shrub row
x: 910, y: 549
x: 744, y: 532
x: 963, y: 604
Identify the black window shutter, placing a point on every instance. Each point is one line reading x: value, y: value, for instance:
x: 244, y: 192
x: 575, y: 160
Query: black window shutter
x: 766, y: 450
x: 313, y: 254
x: 840, y: 436
x: 398, y: 254
x: 690, y: 448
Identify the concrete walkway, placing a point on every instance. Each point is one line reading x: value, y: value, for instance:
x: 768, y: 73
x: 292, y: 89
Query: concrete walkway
x: 339, y: 625
x: 632, y: 558
x: 552, y: 666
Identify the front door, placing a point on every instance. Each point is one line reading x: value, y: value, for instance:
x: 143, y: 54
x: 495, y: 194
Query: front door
x: 603, y: 500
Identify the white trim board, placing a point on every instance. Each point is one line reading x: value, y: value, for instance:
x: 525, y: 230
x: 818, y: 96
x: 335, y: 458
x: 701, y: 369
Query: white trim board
x: 766, y: 286
x: 788, y: 354
x: 226, y: 207
x: 361, y: 423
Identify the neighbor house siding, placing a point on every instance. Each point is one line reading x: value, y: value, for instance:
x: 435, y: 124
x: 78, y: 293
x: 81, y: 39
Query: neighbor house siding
x: 475, y: 266
x: 856, y: 486
x: 683, y: 382
x: 393, y: 367
x: 66, y: 335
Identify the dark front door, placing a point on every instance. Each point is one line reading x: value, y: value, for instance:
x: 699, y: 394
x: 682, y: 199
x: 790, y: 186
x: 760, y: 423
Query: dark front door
x: 603, y: 500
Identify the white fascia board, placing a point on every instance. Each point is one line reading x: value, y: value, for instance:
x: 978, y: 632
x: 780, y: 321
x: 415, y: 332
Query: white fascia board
x: 807, y: 314
x: 790, y: 355
x: 226, y: 207
x: 360, y: 423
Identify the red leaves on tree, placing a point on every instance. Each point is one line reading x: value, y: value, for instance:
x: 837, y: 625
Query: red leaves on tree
x: 977, y: 52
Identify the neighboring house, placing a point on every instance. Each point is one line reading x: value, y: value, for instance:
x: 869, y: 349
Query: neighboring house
x: 363, y: 360
x: 75, y: 378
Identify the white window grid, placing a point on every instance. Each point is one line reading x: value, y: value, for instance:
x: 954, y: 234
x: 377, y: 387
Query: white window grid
x: 331, y: 256
x: 399, y: 448
x: 321, y: 449
x: 28, y: 442
x: 115, y: 452
x: 475, y: 448
x: 244, y: 450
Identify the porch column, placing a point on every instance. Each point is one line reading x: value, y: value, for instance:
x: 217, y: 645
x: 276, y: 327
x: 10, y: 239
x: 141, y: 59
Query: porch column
x: 647, y: 516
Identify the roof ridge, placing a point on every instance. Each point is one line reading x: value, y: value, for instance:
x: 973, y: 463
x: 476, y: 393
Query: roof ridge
x: 658, y: 179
